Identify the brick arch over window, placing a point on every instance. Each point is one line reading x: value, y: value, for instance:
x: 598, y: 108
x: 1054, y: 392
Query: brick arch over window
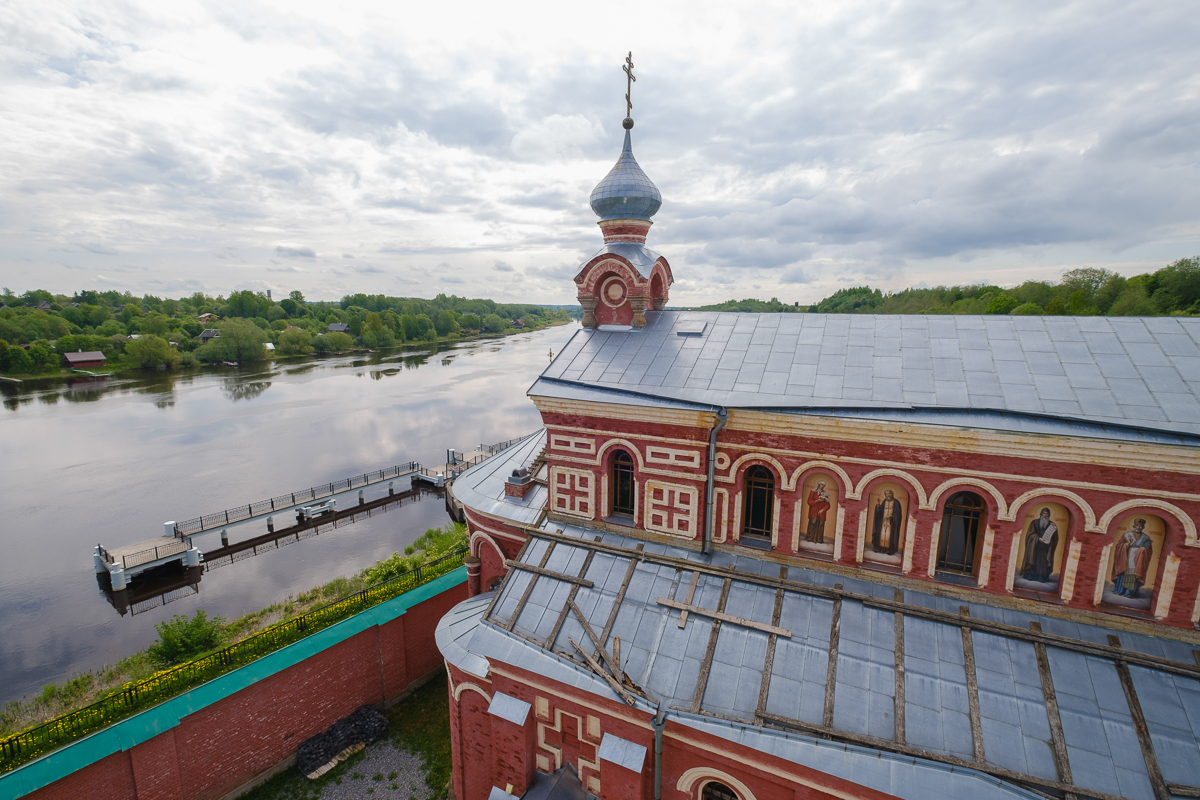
x: 802, y: 471
x: 955, y: 485
x: 1187, y: 523
x: 692, y: 782
x: 870, y: 477
x: 781, y: 475
x: 465, y: 686
x: 602, y: 454
x: 1052, y: 493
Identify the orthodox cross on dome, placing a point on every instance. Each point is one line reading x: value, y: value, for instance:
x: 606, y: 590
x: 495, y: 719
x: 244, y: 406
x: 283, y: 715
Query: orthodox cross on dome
x: 629, y: 84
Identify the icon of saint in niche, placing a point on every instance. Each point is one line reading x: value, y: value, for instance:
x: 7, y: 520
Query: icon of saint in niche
x: 885, y: 531
x: 818, y: 506
x: 1041, y: 540
x: 1131, y: 560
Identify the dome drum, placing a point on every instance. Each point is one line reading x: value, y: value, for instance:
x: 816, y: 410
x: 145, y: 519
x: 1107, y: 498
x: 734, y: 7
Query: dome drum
x: 625, y: 230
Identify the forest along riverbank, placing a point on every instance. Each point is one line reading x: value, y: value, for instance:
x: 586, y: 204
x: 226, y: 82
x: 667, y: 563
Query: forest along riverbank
x: 131, y: 453
x: 182, y: 638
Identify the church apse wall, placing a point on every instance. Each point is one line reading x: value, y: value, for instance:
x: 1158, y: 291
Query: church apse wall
x: 980, y: 518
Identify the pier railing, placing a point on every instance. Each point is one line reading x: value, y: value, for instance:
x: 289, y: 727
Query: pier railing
x: 128, y: 700
x: 239, y: 513
x: 173, y: 547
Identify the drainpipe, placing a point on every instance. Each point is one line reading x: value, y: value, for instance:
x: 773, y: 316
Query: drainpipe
x: 660, y: 722
x: 722, y: 418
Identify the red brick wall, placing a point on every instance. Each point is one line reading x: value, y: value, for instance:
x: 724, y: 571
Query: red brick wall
x: 1100, y: 486
x: 573, y: 724
x: 228, y: 743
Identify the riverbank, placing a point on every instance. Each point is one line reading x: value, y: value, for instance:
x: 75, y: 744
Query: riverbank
x: 89, y: 687
x: 124, y: 369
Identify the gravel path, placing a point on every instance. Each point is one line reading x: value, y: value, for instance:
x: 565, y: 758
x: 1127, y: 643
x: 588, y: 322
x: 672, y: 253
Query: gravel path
x: 386, y: 773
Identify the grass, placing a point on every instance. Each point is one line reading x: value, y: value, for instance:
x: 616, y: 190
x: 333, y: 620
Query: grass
x: 84, y: 689
x: 420, y: 725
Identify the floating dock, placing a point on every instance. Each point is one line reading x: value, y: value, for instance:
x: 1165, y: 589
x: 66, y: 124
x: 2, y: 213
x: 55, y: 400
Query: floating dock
x: 122, y: 563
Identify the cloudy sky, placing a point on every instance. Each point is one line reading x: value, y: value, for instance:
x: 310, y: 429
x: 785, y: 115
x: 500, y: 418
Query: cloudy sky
x: 414, y: 148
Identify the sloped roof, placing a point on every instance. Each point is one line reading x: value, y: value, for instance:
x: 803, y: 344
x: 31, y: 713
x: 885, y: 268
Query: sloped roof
x: 1134, y: 372
x: 985, y: 710
x: 89, y: 355
x: 641, y: 257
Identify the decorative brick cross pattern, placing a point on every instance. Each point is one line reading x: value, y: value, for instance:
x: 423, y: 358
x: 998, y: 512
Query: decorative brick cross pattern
x: 566, y: 741
x: 572, y: 492
x: 671, y: 508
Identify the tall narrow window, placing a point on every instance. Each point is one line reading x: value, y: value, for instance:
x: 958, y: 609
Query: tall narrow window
x: 760, y: 503
x: 622, y: 479
x: 960, y: 529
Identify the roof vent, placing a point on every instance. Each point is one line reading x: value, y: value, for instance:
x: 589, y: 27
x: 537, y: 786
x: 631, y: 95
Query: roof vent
x: 691, y: 327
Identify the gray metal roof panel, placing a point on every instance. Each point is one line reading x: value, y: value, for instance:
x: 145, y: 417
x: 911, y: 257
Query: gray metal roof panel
x: 1117, y: 371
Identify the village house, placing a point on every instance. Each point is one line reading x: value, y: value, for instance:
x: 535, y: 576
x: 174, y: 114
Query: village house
x: 208, y: 334
x: 813, y: 556
x: 85, y: 360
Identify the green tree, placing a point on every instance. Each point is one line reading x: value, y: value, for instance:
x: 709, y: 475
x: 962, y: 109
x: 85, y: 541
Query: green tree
x: 494, y: 323
x: 470, y: 322
x: 180, y: 638
x: 16, y: 361
x: 42, y: 355
x: 240, y: 341
x: 445, y: 323
x: 295, y: 342
x: 335, y: 342
x: 1002, y: 304
x: 150, y: 352
x: 1027, y: 309
x: 155, y: 323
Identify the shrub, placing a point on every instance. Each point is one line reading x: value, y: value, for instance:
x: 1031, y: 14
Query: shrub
x: 180, y: 638
x: 1027, y: 309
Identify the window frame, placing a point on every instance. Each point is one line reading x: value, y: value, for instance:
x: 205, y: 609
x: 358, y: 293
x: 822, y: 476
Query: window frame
x: 623, y: 465
x: 758, y: 486
x: 972, y: 517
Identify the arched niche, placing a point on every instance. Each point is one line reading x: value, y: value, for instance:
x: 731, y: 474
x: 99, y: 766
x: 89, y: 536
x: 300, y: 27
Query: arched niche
x: 1041, y: 546
x: 888, y: 509
x: 1133, y: 562
x: 816, y: 511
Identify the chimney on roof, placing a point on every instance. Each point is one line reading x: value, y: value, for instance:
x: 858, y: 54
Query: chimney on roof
x: 518, y: 484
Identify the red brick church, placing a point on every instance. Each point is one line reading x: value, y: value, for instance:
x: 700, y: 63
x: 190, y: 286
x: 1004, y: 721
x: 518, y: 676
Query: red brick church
x: 764, y: 556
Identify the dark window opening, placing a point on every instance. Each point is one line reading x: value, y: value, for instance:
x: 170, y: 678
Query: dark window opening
x: 717, y: 791
x: 760, y: 502
x: 960, y: 530
x: 622, y: 483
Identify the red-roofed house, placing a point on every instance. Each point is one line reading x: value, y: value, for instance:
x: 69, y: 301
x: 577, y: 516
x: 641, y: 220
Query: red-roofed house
x: 85, y: 360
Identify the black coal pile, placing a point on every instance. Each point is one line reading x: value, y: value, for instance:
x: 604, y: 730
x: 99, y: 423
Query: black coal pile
x: 364, y: 725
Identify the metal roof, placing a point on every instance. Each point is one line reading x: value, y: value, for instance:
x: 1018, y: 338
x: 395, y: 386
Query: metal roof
x: 936, y: 692
x: 626, y: 192
x: 1127, y: 372
x: 641, y: 257
x: 481, y: 487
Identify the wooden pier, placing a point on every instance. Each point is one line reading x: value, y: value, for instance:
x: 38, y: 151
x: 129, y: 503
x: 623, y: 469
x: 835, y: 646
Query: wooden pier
x: 122, y: 563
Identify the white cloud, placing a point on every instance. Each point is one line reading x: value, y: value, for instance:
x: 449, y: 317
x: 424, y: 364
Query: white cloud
x: 799, y: 148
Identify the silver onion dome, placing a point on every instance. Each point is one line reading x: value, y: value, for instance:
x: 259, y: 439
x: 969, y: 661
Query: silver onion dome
x: 626, y: 192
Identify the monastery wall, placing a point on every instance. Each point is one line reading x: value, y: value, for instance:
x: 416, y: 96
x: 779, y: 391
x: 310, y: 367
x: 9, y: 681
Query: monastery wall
x: 248, y: 723
x: 1094, y: 494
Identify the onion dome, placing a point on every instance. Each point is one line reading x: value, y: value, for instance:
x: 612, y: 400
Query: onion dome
x: 626, y: 192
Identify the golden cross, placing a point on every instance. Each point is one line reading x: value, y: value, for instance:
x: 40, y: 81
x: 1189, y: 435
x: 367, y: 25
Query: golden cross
x: 629, y: 83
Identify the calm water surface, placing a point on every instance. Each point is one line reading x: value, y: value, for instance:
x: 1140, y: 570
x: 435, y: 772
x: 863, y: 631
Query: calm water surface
x: 109, y: 462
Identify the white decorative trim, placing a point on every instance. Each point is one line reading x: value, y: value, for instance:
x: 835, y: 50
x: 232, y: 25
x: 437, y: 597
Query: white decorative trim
x: 671, y: 510
x: 891, y: 473
x: 656, y: 454
x: 934, y: 541
x: 479, y: 536
x: 1166, y: 587
x: 1102, y: 576
x: 1089, y: 516
x: 721, y: 496
x: 861, y: 546
x: 757, y: 456
x: 847, y: 483
x: 837, y: 533
x: 985, y: 559
x: 637, y: 454
x: 910, y: 541
x: 573, y: 444
x: 721, y: 462
x: 954, y: 483
x: 458, y: 690
x: 1012, y: 562
x: 775, y: 522
x: 1189, y: 525
x: 565, y: 490
x: 1196, y: 608
x: 703, y: 775
x: 1070, y: 568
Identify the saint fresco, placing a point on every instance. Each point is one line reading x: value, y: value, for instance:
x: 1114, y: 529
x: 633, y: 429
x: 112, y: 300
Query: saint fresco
x: 1133, y: 563
x: 817, y: 512
x: 1043, y: 541
x: 887, y: 517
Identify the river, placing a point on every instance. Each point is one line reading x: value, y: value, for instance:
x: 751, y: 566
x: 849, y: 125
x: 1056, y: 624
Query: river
x: 107, y: 462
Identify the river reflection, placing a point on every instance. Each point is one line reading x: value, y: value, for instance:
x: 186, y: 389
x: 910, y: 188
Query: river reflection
x: 88, y: 461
